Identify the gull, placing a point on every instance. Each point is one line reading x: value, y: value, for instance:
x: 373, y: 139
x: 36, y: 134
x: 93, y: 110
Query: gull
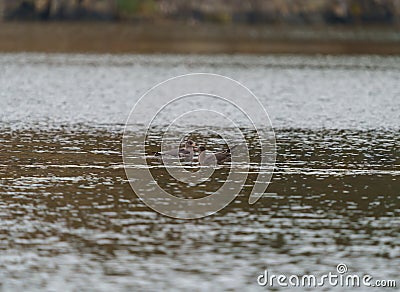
x: 213, y: 158
x: 186, y: 153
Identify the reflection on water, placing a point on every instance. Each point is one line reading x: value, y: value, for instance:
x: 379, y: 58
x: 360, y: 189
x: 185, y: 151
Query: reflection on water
x: 298, y: 91
x: 71, y: 221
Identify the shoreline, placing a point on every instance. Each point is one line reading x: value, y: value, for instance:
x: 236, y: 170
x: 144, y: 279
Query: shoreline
x: 183, y: 38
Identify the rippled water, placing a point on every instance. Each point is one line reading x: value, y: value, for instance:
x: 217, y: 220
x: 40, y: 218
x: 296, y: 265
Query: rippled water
x: 70, y: 220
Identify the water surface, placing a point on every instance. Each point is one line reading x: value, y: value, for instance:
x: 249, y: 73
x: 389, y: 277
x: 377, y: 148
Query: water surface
x: 70, y: 220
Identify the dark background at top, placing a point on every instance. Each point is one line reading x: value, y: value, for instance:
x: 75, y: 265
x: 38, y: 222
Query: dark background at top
x: 295, y: 12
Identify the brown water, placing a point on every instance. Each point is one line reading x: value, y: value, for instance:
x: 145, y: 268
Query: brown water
x: 70, y: 220
x: 191, y: 38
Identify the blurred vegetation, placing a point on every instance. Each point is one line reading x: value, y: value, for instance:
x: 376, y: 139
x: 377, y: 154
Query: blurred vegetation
x: 220, y: 11
x: 132, y: 8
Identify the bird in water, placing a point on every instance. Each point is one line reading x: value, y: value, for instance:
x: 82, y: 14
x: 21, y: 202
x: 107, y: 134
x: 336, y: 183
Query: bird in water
x: 186, y: 153
x: 213, y: 158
